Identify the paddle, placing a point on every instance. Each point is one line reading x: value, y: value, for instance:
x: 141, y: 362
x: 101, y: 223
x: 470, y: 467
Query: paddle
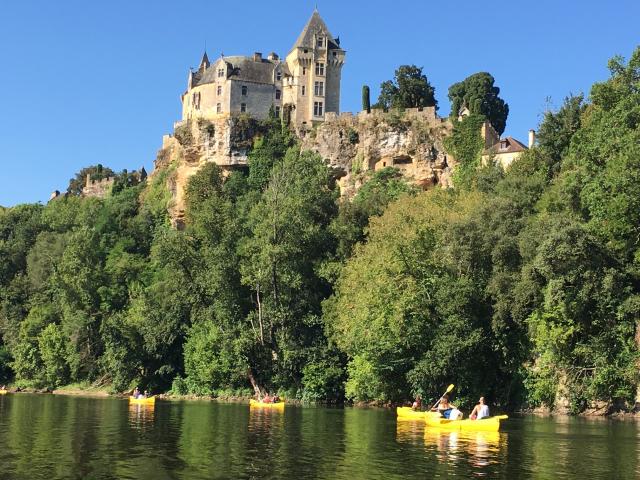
x: 449, y: 388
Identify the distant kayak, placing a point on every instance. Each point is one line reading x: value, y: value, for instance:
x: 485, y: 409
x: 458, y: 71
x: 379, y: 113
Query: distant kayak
x: 4, y: 392
x: 490, y: 424
x: 142, y: 401
x: 408, y: 413
x: 258, y: 404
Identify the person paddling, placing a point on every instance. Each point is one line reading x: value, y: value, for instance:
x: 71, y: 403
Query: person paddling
x: 480, y: 411
x: 447, y: 410
x: 417, y: 404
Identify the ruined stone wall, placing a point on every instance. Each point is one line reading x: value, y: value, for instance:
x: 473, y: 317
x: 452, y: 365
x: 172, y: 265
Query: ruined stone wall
x: 97, y: 188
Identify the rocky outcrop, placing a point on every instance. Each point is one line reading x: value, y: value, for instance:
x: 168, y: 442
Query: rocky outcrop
x: 352, y: 145
x: 412, y: 141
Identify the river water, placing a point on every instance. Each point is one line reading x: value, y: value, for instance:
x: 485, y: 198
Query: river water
x: 48, y: 436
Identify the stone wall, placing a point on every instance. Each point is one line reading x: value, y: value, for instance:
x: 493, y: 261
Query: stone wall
x: 97, y: 188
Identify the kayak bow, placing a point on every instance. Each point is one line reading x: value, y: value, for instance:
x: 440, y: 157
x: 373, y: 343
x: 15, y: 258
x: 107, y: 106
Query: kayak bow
x: 408, y: 413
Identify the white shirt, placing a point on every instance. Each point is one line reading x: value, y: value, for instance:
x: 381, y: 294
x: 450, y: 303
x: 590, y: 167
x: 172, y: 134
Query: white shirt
x: 483, y: 411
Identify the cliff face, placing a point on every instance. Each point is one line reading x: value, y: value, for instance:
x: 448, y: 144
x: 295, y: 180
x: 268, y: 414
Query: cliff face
x: 412, y: 141
x: 352, y: 145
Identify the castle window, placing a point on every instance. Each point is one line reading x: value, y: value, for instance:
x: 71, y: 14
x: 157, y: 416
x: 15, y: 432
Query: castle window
x: 304, y: 70
x: 320, y: 69
x: 219, y: 91
x: 277, y: 111
x: 278, y: 94
x: 244, y: 90
x: 320, y: 42
x: 278, y: 75
x: 304, y: 90
x: 243, y: 107
x: 319, y: 89
x: 218, y: 108
x: 220, y: 72
x: 317, y: 109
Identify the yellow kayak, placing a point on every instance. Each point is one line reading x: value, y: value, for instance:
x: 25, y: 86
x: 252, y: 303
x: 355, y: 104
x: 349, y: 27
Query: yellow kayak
x: 490, y: 424
x: 4, y: 392
x: 142, y: 401
x: 259, y: 404
x: 407, y: 413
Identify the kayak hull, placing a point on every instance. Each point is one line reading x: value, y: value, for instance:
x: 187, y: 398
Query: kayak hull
x: 4, y: 392
x: 274, y: 406
x: 407, y: 413
x: 142, y: 401
x: 491, y: 424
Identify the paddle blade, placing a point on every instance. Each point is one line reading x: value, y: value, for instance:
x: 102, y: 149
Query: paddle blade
x: 449, y: 388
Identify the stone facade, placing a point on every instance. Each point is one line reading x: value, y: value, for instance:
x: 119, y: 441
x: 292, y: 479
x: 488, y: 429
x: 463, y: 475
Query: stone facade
x: 306, y: 83
x: 97, y: 188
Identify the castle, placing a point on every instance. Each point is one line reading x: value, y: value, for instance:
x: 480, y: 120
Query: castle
x: 303, y: 87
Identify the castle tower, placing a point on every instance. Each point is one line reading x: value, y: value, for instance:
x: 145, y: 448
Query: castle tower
x: 312, y: 87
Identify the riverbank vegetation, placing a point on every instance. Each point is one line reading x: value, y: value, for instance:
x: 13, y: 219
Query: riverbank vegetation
x: 521, y: 285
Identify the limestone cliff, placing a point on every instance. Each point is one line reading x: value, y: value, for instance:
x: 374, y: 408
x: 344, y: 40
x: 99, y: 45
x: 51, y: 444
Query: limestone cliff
x: 352, y: 145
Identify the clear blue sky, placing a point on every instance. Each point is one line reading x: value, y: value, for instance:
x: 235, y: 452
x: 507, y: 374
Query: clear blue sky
x: 86, y: 82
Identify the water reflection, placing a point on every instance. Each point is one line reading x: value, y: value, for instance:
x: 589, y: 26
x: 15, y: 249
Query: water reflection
x: 478, y: 449
x: 410, y: 431
x: 141, y: 416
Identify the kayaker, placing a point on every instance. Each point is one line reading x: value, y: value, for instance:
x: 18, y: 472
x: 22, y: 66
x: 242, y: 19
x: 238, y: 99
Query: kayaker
x: 267, y: 399
x: 447, y: 410
x: 136, y: 392
x: 480, y: 411
x: 417, y: 404
x: 146, y: 394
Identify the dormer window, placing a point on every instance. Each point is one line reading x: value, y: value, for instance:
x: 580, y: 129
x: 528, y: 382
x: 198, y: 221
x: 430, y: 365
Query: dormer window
x: 220, y: 72
x: 320, y: 42
x: 503, y: 144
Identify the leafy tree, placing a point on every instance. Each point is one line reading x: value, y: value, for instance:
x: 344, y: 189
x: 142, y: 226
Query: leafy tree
x: 409, y: 89
x: 479, y: 94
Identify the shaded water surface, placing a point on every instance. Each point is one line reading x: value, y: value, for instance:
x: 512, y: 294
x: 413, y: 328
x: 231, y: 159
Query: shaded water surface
x: 47, y: 436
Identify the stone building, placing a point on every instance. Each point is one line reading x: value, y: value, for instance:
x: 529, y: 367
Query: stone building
x: 304, y: 86
x: 504, y: 151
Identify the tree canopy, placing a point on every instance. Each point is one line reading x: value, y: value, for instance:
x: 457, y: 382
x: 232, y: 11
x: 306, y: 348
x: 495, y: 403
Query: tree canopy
x: 410, y: 88
x: 479, y: 94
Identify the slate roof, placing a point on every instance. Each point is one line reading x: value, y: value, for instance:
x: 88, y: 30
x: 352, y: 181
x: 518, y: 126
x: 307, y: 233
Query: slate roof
x: 313, y: 26
x: 241, y: 68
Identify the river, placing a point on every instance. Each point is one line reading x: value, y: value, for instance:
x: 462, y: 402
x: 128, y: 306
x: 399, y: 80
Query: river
x: 49, y: 436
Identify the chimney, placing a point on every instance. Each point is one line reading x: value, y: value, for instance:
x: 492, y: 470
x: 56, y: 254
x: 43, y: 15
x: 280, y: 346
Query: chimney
x: 257, y: 57
x: 532, y: 138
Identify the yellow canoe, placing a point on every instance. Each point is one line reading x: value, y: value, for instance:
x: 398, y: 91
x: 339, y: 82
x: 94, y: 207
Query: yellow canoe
x: 407, y: 413
x: 142, y: 401
x: 490, y: 424
x: 257, y: 404
x: 4, y: 392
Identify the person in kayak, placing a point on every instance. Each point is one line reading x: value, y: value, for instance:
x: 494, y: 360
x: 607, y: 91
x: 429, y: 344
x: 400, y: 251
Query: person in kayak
x: 267, y: 399
x: 447, y: 410
x: 417, y: 404
x: 480, y: 411
x: 136, y: 392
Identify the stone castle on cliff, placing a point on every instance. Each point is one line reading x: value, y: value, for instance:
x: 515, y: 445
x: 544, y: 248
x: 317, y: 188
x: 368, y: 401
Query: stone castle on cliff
x: 304, y: 86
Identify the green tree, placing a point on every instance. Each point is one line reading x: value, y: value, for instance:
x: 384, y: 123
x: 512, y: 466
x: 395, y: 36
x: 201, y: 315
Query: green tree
x: 409, y: 89
x: 479, y: 94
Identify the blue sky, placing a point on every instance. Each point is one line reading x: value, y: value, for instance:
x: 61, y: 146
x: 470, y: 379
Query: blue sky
x: 99, y: 82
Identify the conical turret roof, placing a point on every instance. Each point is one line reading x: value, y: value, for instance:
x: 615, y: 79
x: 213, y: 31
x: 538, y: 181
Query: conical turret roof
x: 314, y: 26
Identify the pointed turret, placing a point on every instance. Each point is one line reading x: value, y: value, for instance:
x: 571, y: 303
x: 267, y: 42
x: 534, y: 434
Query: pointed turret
x: 204, y: 63
x: 314, y: 27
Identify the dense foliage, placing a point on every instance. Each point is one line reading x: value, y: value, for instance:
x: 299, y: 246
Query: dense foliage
x: 410, y: 88
x: 479, y: 94
x: 522, y: 285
